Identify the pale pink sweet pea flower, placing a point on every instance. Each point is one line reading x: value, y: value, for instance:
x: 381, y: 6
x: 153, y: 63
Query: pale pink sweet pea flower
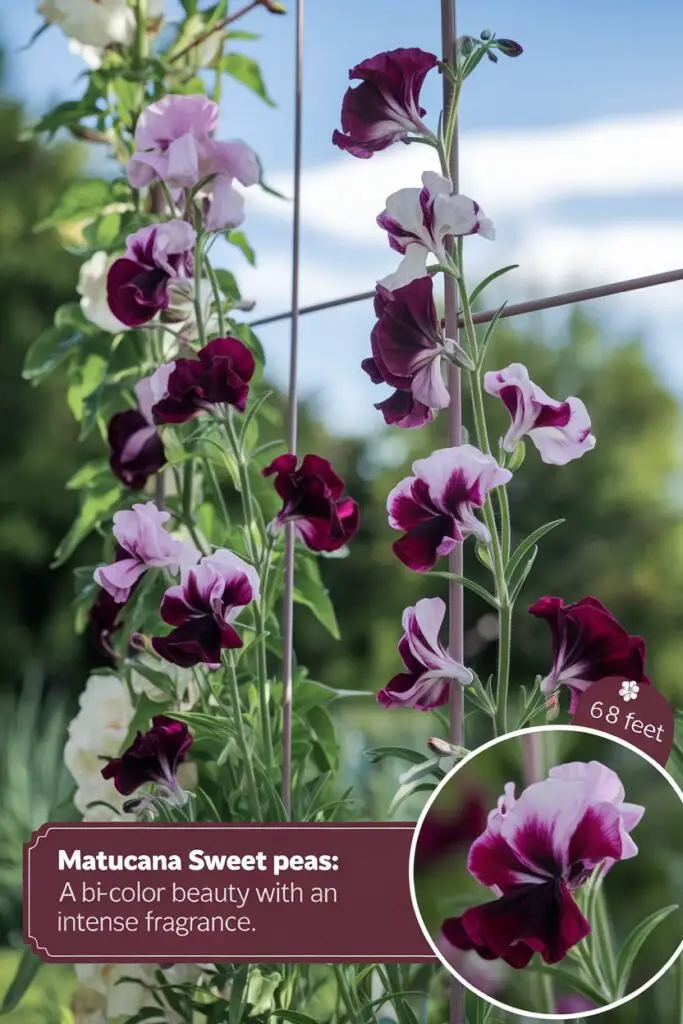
x: 561, y: 431
x: 436, y: 506
x: 536, y: 852
x: 142, y: 543
x: 430, y: 669
x: 417, y: 222
x: 174, y: 141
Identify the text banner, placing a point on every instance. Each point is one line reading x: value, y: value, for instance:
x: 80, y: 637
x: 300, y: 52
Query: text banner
x: 291, y: 893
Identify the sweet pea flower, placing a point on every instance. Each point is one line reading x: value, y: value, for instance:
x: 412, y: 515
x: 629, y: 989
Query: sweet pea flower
x: 588, y: 645
x: 561, y: 431
x: 385, y: 107
x: 137, y: 284
x: 219, y: 375
x: 152, y: 757
x: 142, y: 543
x: 409, y: 347
x: 92, y: 287
x: 98, y: 23
x: 440, y: 833
x: 102, y: 621
x: 537, y: 850
x: 436, y: 506
x: 135, y: 447
x: 417, y: 222
x: 430, y: 669
x: 203, y: 607
x: 313, y: 501
x: 573, y: 1003
x: 174, y: 141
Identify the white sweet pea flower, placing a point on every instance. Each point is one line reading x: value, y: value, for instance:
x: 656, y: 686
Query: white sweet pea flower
x: 102, y: 995
x: 96, y: 23
x: 98, y: 731
x: 418, y: 221
x: 92, y: 287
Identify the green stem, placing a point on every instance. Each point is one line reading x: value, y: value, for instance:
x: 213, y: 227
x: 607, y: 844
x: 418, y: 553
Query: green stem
x: 346, y: 996
x: 503, y: 675
x: 187, y: 494
x: 241, y: 735
x: 505, y: 532
x: 217, y: 295
x: 262, y: 566
x: 198, y: 311
x: 140, y: 47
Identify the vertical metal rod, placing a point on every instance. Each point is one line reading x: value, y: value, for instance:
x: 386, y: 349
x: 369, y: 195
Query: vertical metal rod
x: 455, y: 592
x: 292, y: 424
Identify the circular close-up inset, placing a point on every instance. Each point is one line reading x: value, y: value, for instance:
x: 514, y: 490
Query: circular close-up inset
x: 546, y: 874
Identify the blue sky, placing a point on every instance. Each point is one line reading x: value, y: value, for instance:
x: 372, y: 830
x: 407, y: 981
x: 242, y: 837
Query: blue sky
x: 575, y: 150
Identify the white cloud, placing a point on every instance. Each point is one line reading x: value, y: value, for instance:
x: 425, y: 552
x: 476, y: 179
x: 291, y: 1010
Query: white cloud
x: 510, y: 172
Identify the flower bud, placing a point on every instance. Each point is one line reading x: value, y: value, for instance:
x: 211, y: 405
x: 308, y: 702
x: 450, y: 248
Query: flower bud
x: 517, y: 457
x: 486, y: 35
x: 273, y: 6
x: 445, y: 749
x: 509, y: 48
x: 465, y: 45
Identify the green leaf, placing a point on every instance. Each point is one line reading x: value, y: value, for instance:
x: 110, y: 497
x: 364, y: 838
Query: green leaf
x: 522, y: 576
x: 325, y: 751
x: 29, y: 965
x: 377, y: 754
x: 81, y: 200
x: 239, y: 239
x: 84, y: 379
x: 246, y: 70
x: 310, y: 591
x: 98, y: 505
x: 228, y: 284
x: 48, y: 352
x: 571, y: 980
x: 488, y: 280
x: 526, y: 546
x: 470, y: 584
x: 293, y: 1016
x: 634, y: 943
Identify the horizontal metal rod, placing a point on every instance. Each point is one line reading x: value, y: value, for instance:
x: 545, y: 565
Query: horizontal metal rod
x: 517, y: 309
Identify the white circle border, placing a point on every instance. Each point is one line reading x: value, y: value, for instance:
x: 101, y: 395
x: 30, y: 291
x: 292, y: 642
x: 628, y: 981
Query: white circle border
x: 411, y: 871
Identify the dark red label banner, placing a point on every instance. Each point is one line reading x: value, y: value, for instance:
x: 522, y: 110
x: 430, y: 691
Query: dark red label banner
x: 291, y: 893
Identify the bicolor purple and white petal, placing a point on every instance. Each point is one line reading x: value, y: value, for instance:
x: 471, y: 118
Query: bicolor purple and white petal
x: 561, y: 431
x: 436, y: 507
x: 417, y: 222
x: 537, y: 850
x: 429, y: 668
x: 203, y: 608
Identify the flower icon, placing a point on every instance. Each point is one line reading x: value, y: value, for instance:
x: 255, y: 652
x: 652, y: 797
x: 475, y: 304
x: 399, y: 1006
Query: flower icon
x: 629, y: 690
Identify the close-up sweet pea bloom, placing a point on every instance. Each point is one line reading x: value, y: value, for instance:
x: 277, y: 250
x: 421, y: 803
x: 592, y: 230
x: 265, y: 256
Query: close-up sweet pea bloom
x: 561, y: 431
x: 153, y: 757
x: 92, y: 287
x: 136, y: 450
x: 536, y: 851
x: 588, y: 645
x: 203, y: 608
x: 220, y: 375
x: 417, y: 221
x: 142, y: 544
x: 409, y: 349
x: 430, y: 669
x: 313, y: 495
x: 435, y: 508
x: 138, y: 283
x: 174, y: 141
x: 385, y: 107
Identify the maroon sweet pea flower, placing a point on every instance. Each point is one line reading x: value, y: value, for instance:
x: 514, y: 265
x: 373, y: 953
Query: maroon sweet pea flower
x: 430, y: 669
x: 440, y: 833
x: 136, y: 449
x: 152, y: 757
x: 409, y: 347
x: 535, y: 853
x: 313, y: 501
x: 203, y: 607
x: 220, y: 375
x: 436, y: 506
x: 588, y: 645
x: 103, y: 615
x: 137, y: 284
x: 385, y: 107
